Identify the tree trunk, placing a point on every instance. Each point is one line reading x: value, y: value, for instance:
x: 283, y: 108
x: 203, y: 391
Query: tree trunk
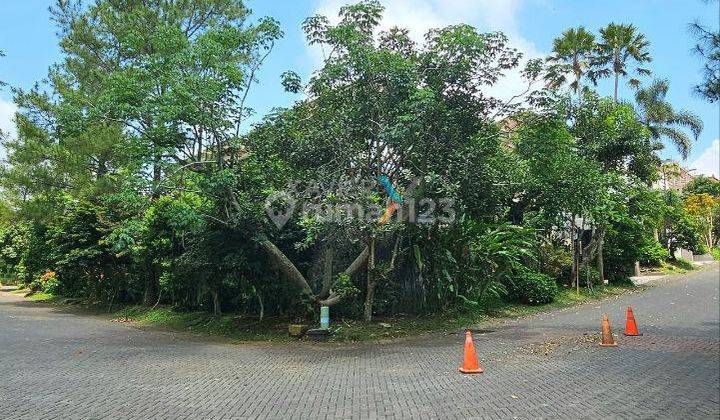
x: 151, y: 285
x: 216, y: 302
x: 358, y: 263
x: 260, y: 303
x: 577, y: 269
x: 286, y: 267
x: 578, y: 78
x: 601, y: 263
x: 573, y: 267
x: 327, y: 271
x: 616, y: 86
x: 710, y: 240
x: 371, y: 281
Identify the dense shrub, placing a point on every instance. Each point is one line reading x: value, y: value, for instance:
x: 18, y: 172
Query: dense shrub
x: 586, y: 273
x: 589, y: 273
x: 652, y: 253
x: 555, y: 259
x: 532, y: 287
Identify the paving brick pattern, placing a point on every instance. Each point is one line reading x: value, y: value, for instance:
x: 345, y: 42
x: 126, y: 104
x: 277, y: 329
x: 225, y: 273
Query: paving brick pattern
x: 60, y: 365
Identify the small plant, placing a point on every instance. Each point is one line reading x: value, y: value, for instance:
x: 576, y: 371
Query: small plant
x: 46, y: 282
x: 715, y: 253
x: 47, y: 276
x: 345, y: 287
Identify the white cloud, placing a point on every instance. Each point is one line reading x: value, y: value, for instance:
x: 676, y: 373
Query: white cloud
x: 708, y: 162
x: 419, y: 16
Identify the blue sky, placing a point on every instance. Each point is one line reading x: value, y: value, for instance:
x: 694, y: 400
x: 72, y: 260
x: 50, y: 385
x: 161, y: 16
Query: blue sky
x: 28, y: 38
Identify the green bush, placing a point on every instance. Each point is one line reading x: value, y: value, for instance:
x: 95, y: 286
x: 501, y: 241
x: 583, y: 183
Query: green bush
x: 652, y: 253
x: 684, y: 264
x: 701, y: 249
x: 50, y: 283
x: 591, y: 272
x: 586, y: 271
x: 555, y: 259
x: 715, y: 253
x: 532, y: 287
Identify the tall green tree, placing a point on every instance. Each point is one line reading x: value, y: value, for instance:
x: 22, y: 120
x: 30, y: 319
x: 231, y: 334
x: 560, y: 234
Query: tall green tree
x: 663, y: 120
x: 707, y: 47
x: 621, y: 46
x: 146, y: 92
x: 383, y: 106
x: 611, y: 134
x: 572, y: 53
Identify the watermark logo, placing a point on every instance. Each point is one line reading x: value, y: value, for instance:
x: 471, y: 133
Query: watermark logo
x: 346, y: 201
x: 279, y: 207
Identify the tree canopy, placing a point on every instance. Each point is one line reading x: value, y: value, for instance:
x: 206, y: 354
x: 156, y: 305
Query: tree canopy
x: 396, y: 184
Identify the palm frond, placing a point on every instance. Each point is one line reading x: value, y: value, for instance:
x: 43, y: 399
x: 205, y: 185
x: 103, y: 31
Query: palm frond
x: 682, y: 142
x: 634, y: 83
x: 688, y: 120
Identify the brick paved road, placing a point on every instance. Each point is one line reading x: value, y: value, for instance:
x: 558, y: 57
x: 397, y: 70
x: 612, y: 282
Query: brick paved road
x: 59, y: 365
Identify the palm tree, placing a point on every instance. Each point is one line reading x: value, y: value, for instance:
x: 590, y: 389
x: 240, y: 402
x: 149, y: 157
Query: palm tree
x: 620, y: 44
x: 571, y: 53
x: 663, y: 121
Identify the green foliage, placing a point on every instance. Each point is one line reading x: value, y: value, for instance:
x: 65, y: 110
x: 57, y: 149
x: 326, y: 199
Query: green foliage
x: 619, y: 46
x: 135, y: 176
x: 703, y: 184
x: 555, y: 259
x: 532, y: 287
x: 683, y: 264
x: 344, y: 286
x: 663, y: 120
x: 681, y: 229
x: 652, y: 253
x: 611, y: 133
x: 291, y: 81
x: 708, y: 48
x: 634, y: 213
x: 472, y: 262
x: 572, y: 52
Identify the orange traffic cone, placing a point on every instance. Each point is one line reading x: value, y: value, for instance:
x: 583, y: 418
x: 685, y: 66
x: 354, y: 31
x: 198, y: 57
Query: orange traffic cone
x: 470, y: 363
x: 607, y: 337
x: 630, y: 325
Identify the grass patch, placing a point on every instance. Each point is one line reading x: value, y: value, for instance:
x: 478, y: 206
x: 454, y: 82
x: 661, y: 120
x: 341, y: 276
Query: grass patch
x: 395, y: 327
x: 20, y: 292
x: 242, y: 328
x: 680, y: 266
x: 234, y: 327
x: 566, y: 297
x: 398, y: 326
x: 37, y: 296
x: 7, y: 280
x: 41, y: 297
